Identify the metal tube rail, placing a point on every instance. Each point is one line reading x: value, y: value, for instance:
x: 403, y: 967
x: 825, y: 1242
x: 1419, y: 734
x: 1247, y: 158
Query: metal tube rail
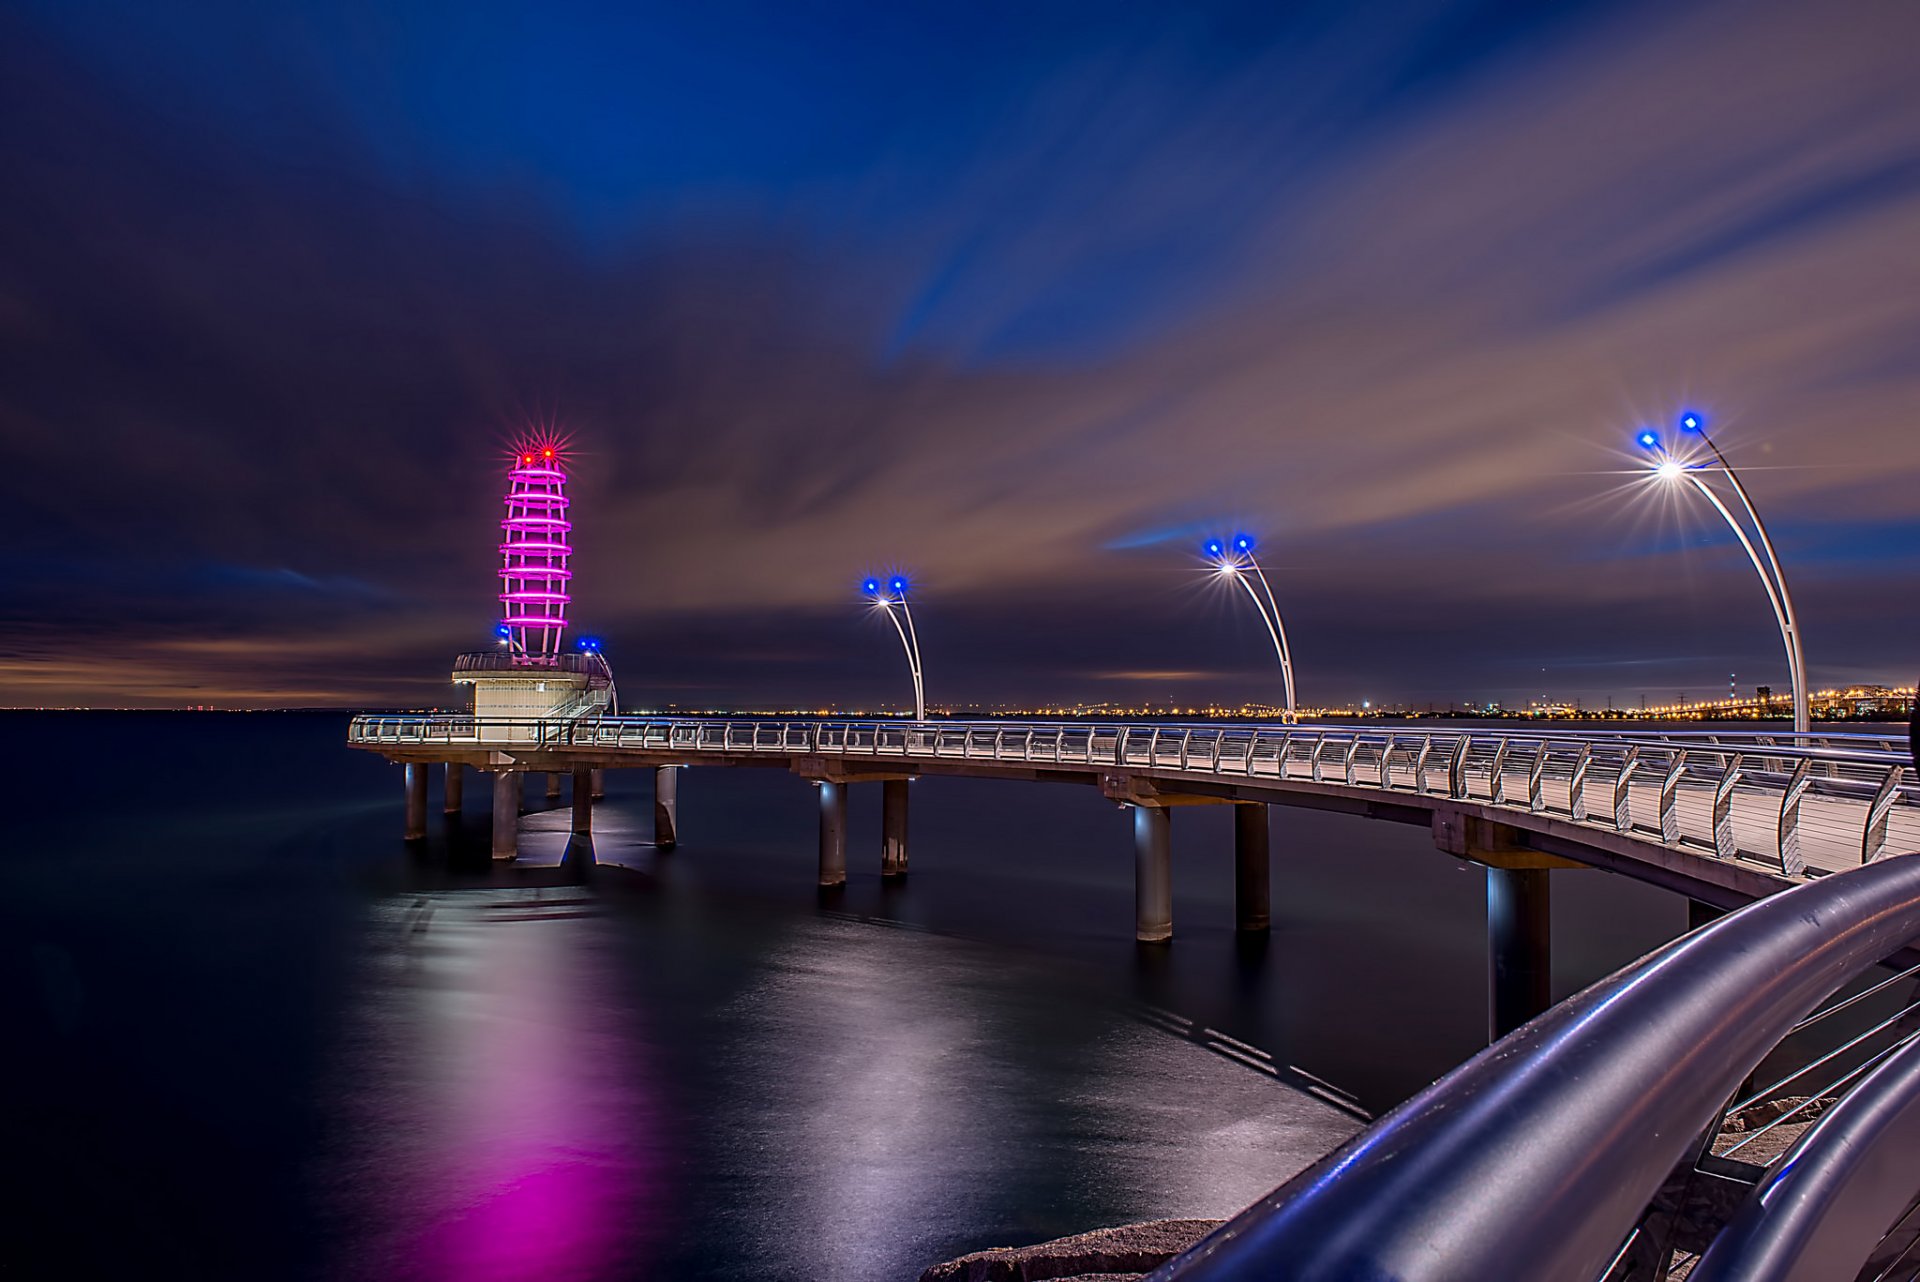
x: 1538, y: 1156
x: 1819, y: 1213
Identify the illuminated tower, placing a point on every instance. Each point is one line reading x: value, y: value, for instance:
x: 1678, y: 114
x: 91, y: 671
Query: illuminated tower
x: 533, y: 559
x: 526, y: 688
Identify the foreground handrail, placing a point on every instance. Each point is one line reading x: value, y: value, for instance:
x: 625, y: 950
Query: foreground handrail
x: 1820, y: 1211
x: 1537, y: 1157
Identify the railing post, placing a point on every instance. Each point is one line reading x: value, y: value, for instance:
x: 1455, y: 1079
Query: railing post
x: 1536, y: 778
x: 1724, y: 844
x: 1792, y: 862
x: 1457, y: 768
x: 1420, y: 764
x: 1623, y: 790
x: 1577, y: 784
x: 1497, y: 774
x: 1873, y: 834
x: 1669, y: 793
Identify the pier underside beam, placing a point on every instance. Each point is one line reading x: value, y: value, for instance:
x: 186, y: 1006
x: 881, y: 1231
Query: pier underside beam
x: 893, y: 828
x: 1152, y: 874
x: 833, y: 833
x: 666, y: 807
x: 1252, y: 869
x: 416, y: 775
x: 456, y: 783
x: 1519, y: 947
x: 506, y: 814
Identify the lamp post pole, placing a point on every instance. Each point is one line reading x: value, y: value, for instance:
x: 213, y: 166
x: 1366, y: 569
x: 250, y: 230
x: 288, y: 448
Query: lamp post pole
x: 890, y: 596
x: 1233, y: 559
x: 1766, y: 562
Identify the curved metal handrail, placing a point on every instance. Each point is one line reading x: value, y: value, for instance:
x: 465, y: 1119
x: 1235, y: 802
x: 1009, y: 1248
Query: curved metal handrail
x: 1538, y: 1156
x: 1822, y: 1209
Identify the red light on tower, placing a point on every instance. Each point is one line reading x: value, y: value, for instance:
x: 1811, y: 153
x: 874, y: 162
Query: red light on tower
x: 533, y: 557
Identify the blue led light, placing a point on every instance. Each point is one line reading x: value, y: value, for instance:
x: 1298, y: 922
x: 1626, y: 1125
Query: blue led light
x: 1690, y: 421
x: 897, y: 585
x: 1648, y: 439
x: 1213, y: 547
x: 1243, y: 543
x: 503, y: 631
x: 871, y: 587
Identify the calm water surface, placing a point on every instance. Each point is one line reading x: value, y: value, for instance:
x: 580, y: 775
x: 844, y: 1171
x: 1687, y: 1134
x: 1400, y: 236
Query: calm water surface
x: 250, y: 1034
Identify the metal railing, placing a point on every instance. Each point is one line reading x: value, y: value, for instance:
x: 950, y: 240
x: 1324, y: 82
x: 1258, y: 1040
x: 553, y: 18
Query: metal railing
x: 1793, y: 805
x: 1566, y: 1151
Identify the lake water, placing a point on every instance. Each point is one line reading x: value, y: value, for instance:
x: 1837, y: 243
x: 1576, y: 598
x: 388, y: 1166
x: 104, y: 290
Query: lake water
x: 252, y: 1035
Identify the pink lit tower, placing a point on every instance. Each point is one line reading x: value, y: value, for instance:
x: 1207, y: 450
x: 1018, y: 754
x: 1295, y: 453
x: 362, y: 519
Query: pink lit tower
x: 528, y: 688
x: 533, y: 559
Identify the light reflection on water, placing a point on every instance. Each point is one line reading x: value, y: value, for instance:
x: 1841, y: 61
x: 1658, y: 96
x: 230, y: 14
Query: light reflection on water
x: 873, y: 1099
x: 307, y: 1053
x: 501, y: 1124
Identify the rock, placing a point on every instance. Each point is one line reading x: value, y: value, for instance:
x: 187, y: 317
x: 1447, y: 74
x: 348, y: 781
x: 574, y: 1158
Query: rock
x: 1105, y: 1255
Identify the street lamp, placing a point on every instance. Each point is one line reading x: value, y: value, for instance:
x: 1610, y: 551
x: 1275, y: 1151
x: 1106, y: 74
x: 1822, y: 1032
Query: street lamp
x: 887, y: 595
x: 1692, y: 469
x: 1233, y: 559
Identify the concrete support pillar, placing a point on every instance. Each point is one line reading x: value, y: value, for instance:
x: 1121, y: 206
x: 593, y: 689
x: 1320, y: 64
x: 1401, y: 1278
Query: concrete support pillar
x: 582, y: 803
x: 666, y: 807
x: 1519, y: 947
x: 1152, y: 874
x: 506, y: 814
x: 1252, y: 869
x: 893, y: 828
x: 416, y: 772
x: 598, y: 788
x: 519, y: 792
x: 833, y: 833
x: 1699, y: 914
x: 553, y: 786
x: 456, y: 783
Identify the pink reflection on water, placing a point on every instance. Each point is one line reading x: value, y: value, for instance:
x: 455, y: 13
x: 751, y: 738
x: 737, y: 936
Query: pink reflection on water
x: 504, y: 1128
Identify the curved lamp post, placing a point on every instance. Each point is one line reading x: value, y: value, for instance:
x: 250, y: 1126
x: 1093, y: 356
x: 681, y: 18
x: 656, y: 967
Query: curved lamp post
x: 1233, y: 559
x: 1692, y: 469
x: 889, y: 595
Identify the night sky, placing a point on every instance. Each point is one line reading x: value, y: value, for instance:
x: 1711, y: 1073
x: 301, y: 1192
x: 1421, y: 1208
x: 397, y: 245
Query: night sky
x: 1025, y: 298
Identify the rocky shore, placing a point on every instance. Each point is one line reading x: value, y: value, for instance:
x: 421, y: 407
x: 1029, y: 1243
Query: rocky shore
x: 1105, y: 1255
